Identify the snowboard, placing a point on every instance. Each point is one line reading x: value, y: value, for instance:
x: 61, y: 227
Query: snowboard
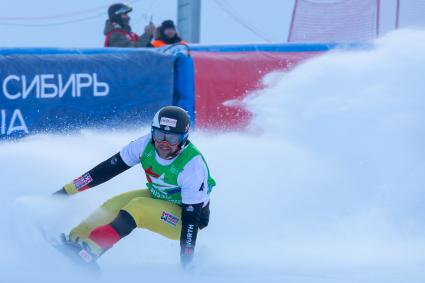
x: 76, y: 255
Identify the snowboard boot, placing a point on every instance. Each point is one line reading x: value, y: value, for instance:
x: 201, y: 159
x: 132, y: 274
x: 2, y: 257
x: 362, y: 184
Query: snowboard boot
x: 86, y: 251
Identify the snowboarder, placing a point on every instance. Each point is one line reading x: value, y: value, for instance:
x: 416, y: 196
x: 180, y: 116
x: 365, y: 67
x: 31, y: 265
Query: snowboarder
x: 175, y: 203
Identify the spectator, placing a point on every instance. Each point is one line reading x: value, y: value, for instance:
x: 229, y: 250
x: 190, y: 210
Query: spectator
x: 118, y: 31
x: 167, y: 34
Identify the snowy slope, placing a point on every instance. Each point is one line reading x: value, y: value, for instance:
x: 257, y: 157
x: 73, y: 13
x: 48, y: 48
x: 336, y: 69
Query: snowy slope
x: 326, y: 186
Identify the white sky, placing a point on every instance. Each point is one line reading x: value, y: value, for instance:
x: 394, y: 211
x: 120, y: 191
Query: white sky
x: 271, y: 18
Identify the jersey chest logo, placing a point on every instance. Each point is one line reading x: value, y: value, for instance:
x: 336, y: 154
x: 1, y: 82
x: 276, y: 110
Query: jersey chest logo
x: 160, y: 182
x: 150, y: 174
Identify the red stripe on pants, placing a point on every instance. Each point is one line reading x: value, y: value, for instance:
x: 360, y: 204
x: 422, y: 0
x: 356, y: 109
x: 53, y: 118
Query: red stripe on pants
x: 105, y: 236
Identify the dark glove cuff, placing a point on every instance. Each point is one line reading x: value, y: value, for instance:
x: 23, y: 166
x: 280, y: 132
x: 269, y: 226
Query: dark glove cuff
x: 186, y: 256
x: 187, y: 251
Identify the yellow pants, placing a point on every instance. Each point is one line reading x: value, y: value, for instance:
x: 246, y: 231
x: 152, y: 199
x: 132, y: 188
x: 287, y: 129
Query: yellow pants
x: 156, y: 215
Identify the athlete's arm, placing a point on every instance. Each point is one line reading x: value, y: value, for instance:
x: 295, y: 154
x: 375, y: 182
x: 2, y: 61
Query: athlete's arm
x: 118, y: 163
x: 101, y: 173
x: 192, y: 180
x: 191, y: 217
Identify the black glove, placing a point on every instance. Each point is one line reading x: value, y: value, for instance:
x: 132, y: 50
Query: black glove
x: 186, y: 257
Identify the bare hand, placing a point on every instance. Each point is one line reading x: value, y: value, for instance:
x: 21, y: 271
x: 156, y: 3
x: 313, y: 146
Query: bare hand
x: 150, y: 29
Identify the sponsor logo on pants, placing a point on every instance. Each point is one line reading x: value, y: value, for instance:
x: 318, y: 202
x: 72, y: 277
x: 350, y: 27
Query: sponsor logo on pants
x: 169, y: 218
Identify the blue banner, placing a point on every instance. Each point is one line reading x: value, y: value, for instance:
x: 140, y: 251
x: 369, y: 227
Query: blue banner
x: 62, y: 91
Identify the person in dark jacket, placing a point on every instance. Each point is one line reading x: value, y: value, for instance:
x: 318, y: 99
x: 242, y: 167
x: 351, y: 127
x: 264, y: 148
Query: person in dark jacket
x: 118, y: 31
x: 167, y: 34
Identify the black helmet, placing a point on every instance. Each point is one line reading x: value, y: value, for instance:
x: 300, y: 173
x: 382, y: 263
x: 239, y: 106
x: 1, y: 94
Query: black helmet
x: 172, y: 120
x: 168, y: 24
x: 116, y: 10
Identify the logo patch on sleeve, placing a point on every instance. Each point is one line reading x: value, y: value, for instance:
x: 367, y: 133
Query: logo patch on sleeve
x: 169, y: 218
x: 168, y: 122
x: 190, y: 208
x: 82, y: 182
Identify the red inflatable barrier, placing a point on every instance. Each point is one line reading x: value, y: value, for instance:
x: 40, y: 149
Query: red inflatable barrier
x: 223, y: 78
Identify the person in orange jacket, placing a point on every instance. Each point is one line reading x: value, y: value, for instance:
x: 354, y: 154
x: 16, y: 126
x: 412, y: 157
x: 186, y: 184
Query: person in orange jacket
x: 167, y: 34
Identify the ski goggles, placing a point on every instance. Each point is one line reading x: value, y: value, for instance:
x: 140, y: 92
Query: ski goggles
x: 160, y: 136
x: 123, y: 10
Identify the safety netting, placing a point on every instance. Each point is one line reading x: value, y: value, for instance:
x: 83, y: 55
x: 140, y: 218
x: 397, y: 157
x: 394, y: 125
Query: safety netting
x: 316, y: 21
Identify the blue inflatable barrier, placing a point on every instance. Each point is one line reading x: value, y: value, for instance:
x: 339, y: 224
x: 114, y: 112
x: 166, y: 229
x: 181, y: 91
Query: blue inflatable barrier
x: 184, y: 85
x: 58, y: 90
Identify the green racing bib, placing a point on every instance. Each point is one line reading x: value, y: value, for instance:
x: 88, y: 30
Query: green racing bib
x: 162, y: 179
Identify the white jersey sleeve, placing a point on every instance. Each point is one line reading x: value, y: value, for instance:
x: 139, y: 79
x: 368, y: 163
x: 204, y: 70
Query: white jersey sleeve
x: 132, y: 152
x: 193, y: 181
